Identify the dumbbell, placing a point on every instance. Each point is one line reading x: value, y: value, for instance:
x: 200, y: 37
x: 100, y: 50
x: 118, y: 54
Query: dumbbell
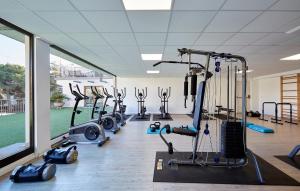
x: 155, y: 126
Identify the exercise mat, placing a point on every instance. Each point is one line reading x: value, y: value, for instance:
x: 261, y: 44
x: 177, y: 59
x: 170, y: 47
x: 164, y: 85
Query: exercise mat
x: 136, y: 118
x: 212, y: 175
x: 157, y: 117
x: 222, y: 116
x: 126, y: 116
x: 295, y: 162
x: 204, y: 117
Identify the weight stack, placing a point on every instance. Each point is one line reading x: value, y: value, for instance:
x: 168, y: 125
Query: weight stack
x: 232, y: 142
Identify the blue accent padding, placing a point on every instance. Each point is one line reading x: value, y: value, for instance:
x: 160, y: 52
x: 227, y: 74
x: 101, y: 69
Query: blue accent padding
x: 156, y: 132
x: 249, y: 123
x: 261, y: 129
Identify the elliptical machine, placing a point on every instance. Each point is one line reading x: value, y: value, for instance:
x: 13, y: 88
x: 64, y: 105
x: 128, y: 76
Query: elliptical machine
x: 89, y: 132
x: 115, y: 114
x: 141, y: 96
x: 108, y: 122
x: 164, y: 100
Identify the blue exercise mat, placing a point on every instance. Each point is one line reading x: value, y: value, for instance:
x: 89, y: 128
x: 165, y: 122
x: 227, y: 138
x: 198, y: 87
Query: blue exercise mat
x: 249, y: 123
x: 260, y: 129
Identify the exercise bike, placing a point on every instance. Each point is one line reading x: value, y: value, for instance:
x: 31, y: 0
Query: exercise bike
x: 108, y: 122
x: 89, y: 132
x: 115, y: 114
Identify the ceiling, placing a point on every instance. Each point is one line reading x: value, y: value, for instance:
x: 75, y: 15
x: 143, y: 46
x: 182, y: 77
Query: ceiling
x: 102, y: 32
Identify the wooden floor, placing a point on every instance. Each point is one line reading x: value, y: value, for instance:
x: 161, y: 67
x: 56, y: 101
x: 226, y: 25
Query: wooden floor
x: 126, y: 162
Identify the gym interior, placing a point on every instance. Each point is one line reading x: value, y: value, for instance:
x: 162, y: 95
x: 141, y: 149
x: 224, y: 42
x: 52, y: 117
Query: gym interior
x: 149, y: 95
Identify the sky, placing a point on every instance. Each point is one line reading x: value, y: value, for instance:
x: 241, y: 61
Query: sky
x: 11, y: 51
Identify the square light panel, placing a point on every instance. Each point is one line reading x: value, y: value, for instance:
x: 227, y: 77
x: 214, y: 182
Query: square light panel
x: 152, y: 71
x: 147, y: 4
x: 151, y: 56
x: 294, y: 57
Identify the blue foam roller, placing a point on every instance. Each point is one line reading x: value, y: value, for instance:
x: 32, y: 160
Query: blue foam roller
x: 261, y: 129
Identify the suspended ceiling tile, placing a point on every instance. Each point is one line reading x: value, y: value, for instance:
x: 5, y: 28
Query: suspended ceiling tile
x: 274, y: 38
x: 119, y: 38
x: 190, y: 21
x: 270, y: 21
x: 245, y: 38
x: 248, y: 5
x: 28, y: 21
x: 238, y: 20
x: 98, y: 4
x: 88, y: 39
x: 228, y: 49
x: 198, y: 4
x: 213, y: 38
x: 151, y: 38
x: 45, y: 5
x: 152, y: 49
x: 287, y: 5
x: 149, y: 21
x: 69, y: 21
x: 10, y: 6
x: 108, y: 21
x: 181, y: 38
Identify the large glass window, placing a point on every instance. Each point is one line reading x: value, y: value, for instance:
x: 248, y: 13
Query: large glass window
x: 16, y: 128
x: 66, y: 69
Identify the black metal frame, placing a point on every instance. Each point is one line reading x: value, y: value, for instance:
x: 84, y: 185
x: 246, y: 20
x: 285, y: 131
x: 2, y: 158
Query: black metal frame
x: 10, y: 159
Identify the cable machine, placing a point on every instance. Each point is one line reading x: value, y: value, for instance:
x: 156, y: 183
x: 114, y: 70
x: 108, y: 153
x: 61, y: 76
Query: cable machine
x: 233, y: 148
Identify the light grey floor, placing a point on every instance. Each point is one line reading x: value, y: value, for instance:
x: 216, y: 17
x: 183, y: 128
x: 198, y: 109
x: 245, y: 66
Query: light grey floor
x: 126, y: 162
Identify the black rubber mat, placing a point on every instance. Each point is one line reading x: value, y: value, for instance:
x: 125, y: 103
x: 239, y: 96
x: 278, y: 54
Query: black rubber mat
x: 136, y: 118
x: 157, y: 117
x: 126, y: 117
x: 222, y: 116
x: 295, y: 162
x: 204, y: 117
x: 217, y: 175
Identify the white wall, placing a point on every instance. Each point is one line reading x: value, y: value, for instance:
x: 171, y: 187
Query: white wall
x: 176, y: 101
x: 267, y: 88
x: 152, y: 103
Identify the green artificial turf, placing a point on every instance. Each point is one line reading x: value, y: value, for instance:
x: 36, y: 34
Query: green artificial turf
x: 12, y: 127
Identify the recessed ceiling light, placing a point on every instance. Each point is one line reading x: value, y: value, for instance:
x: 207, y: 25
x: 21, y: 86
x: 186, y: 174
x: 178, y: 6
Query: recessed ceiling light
x: 294, y: 57
x: 152, y: 71
x: 151, y: 56
x: 147, y: 4
x: 293, y: 30
x: 240, y: 71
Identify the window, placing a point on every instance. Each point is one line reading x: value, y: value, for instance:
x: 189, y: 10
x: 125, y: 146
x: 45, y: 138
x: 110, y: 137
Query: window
x: 65, y: 69
x: 16, y: 103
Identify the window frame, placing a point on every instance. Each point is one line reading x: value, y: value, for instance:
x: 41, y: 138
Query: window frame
x: 57, y: 48
x: 17, y: 156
